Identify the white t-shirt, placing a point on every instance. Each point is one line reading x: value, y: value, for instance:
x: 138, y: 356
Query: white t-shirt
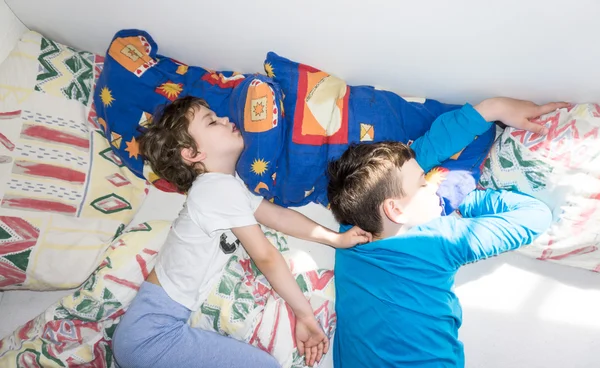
x: 200, y: 241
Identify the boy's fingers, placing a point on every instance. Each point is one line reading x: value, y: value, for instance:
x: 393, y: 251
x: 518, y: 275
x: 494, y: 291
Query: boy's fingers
x: 549, y: 107
x: 326, y: 346
x: 313, y: 354
x: 307, y: 356
x: 534, y: 128
x: 300, y: 346
x: 364, y: 236
x: 319, y: 352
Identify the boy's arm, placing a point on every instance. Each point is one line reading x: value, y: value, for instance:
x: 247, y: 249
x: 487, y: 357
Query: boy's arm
x: 310, y: 337
x: 271, y: 263
x: 454, y: 130
x: 295, y: 224
x: 494, y: 222
x: 449, y: 133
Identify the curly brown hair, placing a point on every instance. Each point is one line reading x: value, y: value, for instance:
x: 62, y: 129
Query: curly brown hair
x: 362, y: 179
x: 166, y: 136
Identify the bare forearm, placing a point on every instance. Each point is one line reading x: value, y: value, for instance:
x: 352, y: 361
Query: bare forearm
x: 488, y: 109
x: 282, y: 281
x: 299, y: 226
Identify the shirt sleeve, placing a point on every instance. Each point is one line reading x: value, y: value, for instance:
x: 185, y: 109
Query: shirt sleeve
x: 449, y: 133
x: 493, y: 222
x: 222, y: 203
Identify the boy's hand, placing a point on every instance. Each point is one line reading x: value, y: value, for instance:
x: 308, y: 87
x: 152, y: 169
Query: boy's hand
x: 352, y: 237
x: 311, y: 340
x: 516, y: 113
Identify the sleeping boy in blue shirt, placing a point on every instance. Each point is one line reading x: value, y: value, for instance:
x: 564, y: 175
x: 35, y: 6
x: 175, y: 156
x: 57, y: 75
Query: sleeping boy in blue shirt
x: 395, y: 302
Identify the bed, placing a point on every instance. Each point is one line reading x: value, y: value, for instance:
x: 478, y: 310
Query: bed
x: 535, y: 313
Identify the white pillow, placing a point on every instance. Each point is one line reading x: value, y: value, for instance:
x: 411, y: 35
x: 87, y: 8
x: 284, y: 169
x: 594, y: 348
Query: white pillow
x: 64, y: 195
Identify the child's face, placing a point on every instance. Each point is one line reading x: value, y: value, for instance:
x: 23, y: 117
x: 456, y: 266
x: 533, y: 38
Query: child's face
x: 216, y: 137
x: 420, y: 204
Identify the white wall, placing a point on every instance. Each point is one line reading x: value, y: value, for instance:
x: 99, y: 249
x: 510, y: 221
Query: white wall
x: 456, y: 51
x: 10, y: 30
x: 518, y: 312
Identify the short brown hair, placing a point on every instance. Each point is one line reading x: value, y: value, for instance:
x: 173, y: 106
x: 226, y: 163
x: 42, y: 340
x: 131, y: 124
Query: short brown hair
x: 166, y: 136
x: 362, y: 179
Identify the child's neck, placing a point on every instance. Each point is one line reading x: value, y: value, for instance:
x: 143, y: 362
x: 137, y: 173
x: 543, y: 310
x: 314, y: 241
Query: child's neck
x: 222, y: 166
x: 391, y: 229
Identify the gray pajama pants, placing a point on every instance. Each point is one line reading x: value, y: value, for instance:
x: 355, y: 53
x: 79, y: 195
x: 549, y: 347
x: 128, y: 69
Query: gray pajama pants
x: 154, y: 333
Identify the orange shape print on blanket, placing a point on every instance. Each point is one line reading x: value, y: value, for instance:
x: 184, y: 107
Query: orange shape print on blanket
x: 321, y: 115
x: 182, y: 69
x: 260, y: 113
x: 145, y: 120
x: 367, y: 132
x: 260, y: 186
x: 133, y: 53
x: 133, y: 148
x: 116, y: 140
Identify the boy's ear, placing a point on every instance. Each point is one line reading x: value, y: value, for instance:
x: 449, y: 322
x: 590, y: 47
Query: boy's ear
x: 392, y: 210
x: 190, y: 155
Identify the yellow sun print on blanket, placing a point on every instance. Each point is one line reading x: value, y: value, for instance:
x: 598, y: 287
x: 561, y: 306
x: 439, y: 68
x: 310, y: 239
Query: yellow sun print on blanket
x: 106, y: 96
x: 170, y: 90
x: 269, y: 70
x: 436, y: 176
x: 259, y: 166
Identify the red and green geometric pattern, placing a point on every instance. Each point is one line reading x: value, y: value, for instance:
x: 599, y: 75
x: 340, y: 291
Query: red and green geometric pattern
x: 520, y: 169
x: 111, y: 203
x: 109, y: 155
x: 141, y: 227
x: 117, y: 180
x: 561, y: 169
x: 29, y: 358
x: 17, y: 239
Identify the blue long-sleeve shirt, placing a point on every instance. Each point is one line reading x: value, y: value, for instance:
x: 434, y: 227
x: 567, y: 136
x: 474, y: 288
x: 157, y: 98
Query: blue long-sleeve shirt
x: 395, y: 305
x: 449, y: 133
